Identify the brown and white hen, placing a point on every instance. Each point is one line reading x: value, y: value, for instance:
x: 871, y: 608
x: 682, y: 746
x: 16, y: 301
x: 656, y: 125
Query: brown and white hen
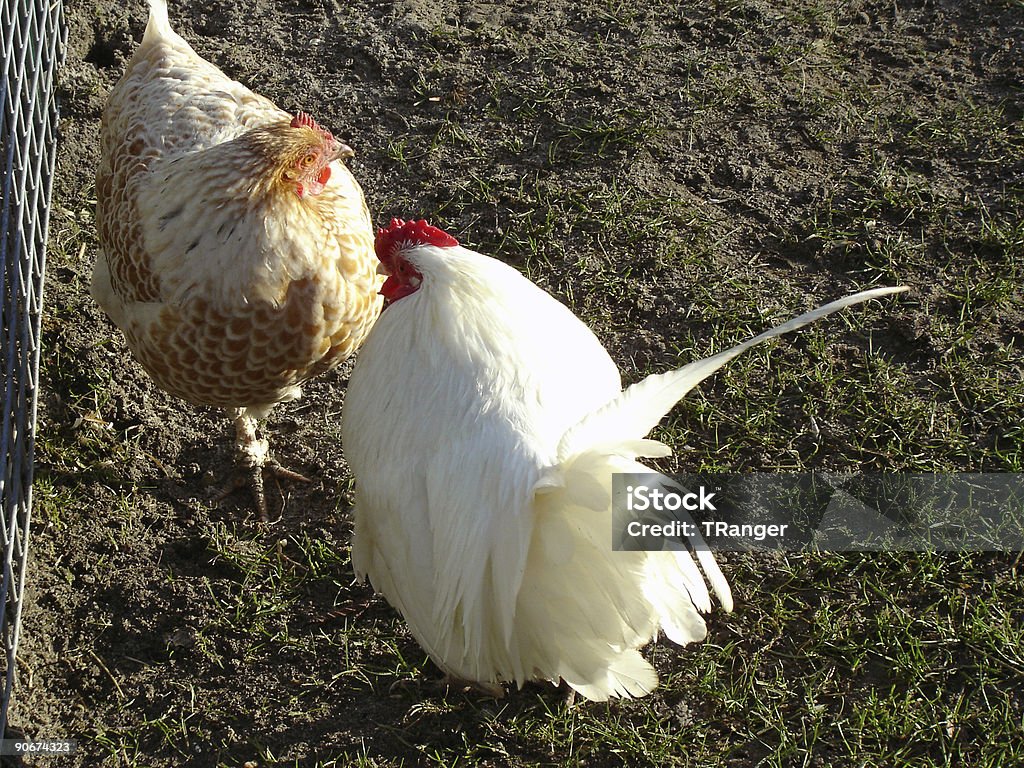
x: 237, y: 249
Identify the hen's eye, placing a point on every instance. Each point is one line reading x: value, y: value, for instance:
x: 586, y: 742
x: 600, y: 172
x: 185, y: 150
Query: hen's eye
x: 308, y: 160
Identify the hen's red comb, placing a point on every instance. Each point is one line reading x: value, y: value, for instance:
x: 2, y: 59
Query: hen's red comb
x: 404, y: 234
x: 304, y: 120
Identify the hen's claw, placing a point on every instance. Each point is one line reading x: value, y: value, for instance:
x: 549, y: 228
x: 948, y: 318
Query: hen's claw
x: 252, y: 476
x: 254, y: 459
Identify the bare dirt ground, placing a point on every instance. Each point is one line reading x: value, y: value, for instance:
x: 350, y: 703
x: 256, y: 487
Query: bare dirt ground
x: 679, y: 173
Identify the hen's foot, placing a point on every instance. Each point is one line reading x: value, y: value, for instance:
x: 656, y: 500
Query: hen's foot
x: 253, y: 478
x: 254, y: 462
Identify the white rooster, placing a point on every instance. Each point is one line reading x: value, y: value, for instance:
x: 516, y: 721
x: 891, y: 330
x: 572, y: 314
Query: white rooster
x: 483, y: 423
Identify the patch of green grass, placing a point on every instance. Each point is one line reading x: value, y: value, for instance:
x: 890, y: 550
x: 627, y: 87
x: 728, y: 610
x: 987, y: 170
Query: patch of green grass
x: 890, y: 676
x: 598, y: 137
x: 965, y: 125
x: 51, y: 502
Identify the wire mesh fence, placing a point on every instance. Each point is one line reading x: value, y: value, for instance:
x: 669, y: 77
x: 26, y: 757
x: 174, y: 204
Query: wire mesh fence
x: 33, y: 42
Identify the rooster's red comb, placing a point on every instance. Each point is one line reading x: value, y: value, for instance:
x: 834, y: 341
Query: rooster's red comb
x: 303, y: 120
x: 401, y: 234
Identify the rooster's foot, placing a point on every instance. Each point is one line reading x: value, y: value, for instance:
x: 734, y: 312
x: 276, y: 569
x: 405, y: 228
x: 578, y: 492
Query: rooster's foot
x: 449, y: 684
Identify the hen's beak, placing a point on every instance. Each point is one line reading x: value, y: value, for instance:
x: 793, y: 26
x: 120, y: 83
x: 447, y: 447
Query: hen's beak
x: 343, y: 151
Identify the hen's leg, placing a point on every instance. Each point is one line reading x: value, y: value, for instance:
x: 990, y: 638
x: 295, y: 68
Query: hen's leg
x: 254, y: 459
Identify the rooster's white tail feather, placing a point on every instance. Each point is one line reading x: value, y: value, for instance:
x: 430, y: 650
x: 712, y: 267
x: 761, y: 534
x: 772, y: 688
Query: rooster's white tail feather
x: 640, y: 407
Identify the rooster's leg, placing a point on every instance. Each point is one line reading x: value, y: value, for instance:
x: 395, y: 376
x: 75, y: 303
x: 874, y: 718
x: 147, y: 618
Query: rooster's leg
x: 254, y: 459
x: 450, y: 683
x: 491, y: 690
